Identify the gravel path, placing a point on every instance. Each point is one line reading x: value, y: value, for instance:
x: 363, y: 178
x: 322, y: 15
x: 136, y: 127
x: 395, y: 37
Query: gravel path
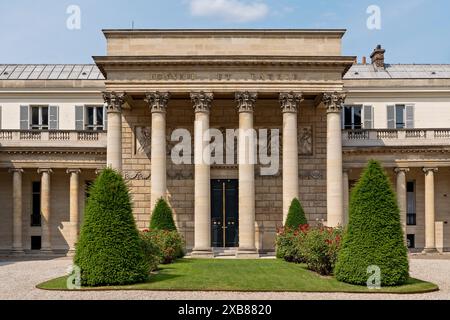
x: 18, y: 280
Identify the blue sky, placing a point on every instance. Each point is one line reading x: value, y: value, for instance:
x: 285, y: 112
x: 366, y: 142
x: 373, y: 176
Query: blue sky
x: 35, y: 31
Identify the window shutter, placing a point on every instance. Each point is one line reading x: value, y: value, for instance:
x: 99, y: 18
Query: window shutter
x: 0, y: 117
x: 79, y: 118
x: 53, y: 118
x: 105, y: 118
x: 391, y: 117
x: 368, y: 117
x: 24, y: 118
x: 410, y: 116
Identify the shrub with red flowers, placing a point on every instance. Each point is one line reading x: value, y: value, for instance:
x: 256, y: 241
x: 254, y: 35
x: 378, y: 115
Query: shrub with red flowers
x: 320, y: 249
x: 169, y: 244
x: 289, y: 242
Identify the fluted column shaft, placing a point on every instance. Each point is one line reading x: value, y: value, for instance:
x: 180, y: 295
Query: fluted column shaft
x: 246, y: 145
x: 45, y: 209
x: 430, y: 219
x: 74, y: 205
x: 289, y: 106
x: 202, y: 204
x: 158, y: 102
x: 114, y: 102
x: 17, y: 210
x: 335, y: 194
x: 402, y: 196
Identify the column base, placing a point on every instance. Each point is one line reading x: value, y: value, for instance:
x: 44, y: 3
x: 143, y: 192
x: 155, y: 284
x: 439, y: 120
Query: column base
x: 430, y: 250
x: 247, y: 254
x: 17, y: 252
x: 202, y: 253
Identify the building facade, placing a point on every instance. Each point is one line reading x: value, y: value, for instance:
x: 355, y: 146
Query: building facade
x: 160, y: 98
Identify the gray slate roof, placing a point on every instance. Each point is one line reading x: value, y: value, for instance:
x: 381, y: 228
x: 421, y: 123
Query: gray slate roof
x: 50, y: 72
x: 399, y: 71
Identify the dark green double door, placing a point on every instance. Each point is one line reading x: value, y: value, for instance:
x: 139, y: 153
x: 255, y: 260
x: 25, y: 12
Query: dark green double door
x: 225, y: 213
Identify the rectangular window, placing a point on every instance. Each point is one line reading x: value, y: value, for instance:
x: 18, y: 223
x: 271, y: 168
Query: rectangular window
x: 411, y: 241
x: 36, y: 243
x: 39, y: 118
x: 411, y: 204
x: 352, y: 117
x: 36, y: 205
x: 94, y: 118
x: 400, y: 116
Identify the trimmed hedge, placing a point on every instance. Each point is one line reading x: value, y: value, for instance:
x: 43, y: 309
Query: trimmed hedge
x: 374, y: 236
x: 296, y: 216
x: 109, y: 251
x: 162, y: 217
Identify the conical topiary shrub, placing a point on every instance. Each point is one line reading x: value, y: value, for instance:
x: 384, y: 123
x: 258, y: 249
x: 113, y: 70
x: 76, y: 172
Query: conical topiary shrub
x: 296, y: 215
x: 109, y: 251
x: 374, y: 236
x: 162, y: 217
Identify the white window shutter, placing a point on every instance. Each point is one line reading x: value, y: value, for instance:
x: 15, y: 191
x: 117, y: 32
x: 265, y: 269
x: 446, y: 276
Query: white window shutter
x: 391, y: 117
x: 105, y: 118
x: 53, y: 118
x: 410, y: 116
x: 79, y: 118
x: 368, y: 117
x: 24, y: 118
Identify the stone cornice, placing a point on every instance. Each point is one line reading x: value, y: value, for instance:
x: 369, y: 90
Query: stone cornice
x: 290, y: 101
x: 392, y: 150
x: 246, y: 101
x: 157, y: 101
x: 48, y: 152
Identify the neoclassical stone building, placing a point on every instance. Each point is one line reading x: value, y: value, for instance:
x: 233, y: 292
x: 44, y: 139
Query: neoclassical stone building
x: 61, y: 124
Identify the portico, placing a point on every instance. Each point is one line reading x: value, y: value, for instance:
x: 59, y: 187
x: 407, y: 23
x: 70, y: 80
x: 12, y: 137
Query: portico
x: 223, y: 79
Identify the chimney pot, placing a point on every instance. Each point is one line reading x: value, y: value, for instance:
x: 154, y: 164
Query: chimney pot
x: 377, y: 56
x: 364, y: 60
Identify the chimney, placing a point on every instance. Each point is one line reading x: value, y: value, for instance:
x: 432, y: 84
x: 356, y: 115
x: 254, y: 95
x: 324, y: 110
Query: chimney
x: 364, y: 60
x: 377, y: 56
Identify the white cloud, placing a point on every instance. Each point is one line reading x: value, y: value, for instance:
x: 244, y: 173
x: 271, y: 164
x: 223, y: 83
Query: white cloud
x: 229, y: 10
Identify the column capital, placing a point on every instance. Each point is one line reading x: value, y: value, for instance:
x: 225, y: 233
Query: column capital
x: 202, y: 101
x: 44, y: 170
x: 157, y: 101
x: 290, y: 101
x: 14, y: 170
x: 246, y: 100
x: 76, y: 171
x: 334, y: 101
x: 399, y: 170
x: 428, y: 170
x: 114, y: 101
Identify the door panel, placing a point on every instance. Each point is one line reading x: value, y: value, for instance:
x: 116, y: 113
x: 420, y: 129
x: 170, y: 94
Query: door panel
x: 225, y: 213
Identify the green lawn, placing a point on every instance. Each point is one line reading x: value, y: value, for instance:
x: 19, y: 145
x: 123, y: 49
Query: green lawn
x: 245, y: 275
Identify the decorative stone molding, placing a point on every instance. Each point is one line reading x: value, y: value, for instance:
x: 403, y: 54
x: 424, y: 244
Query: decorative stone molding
x: 290, y: 101
x: 334, y: 101
x: 137, y: 175
x: 305, y: 141
x: 311, y: 175
x: 40, y: 171
x: 114, y: 101
x: 13, y: 170
x: 157, y: 101
x: 428, y: 170
x: 77, y: 171
x: 202, y: 101
x: 398, y: 170
x: 246, y: 100
x: 143, y: 140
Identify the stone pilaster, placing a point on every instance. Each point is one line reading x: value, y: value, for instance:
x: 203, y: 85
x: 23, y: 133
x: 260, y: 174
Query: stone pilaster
x: 202, y: 102
x: 246, y: 102
x: 158, y: 102
x: 402, y: 196
x: 74, y: 188
x: 289, y: 106
x: 46, y: 246
x: 335, y: 195
x: 17, y: 211
x: 114, y: 102
x: 430, y: 218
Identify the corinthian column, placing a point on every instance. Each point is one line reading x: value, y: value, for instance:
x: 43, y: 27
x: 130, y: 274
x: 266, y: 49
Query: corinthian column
x: 74, y: 205
x: 202, y: 208
x: 17, y: 210
x: 247, y: 159
x: 45, y: 210
x: 289, y: 106
x: 335, y: 193
x: 114, y: 102
x: 402, y: 196
x: 158, y: 105
x: 430, y: 242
